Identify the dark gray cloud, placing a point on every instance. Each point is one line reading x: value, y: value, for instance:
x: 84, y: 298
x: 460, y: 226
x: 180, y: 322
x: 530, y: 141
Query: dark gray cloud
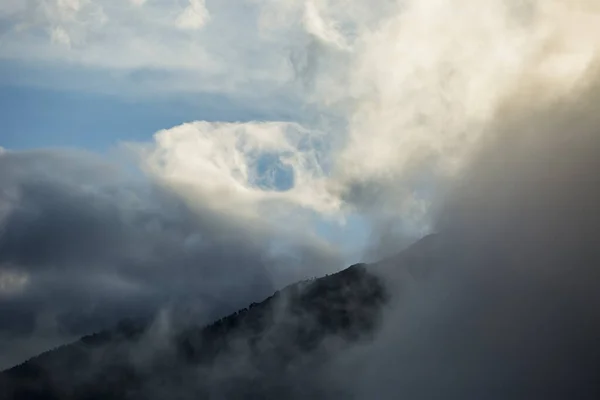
x: 84, y: 243
x: 507, y: 305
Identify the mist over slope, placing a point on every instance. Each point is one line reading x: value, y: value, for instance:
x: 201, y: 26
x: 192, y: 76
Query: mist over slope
x: 271, y: 349
x: 512, y: 310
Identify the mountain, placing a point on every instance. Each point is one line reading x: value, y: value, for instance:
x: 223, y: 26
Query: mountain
x: 463, y: 320
x: 263, y: 351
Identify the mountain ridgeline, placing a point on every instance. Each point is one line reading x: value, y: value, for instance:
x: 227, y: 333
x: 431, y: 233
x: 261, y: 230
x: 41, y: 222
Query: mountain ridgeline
x: 263, y: 351
x: 444, y: 319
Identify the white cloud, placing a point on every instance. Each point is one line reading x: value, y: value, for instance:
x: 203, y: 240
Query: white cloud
x: 413, y: 83
x: 194, y: 16
x: 321, y: 27
x: 220, y: 164
x: 60, y: 36
x: 69, y: 5
x: 416, y: 102
x: 424, y: 82
x: 107, y: 35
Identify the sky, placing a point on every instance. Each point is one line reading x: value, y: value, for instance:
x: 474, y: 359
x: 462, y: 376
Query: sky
x: 158, y: 153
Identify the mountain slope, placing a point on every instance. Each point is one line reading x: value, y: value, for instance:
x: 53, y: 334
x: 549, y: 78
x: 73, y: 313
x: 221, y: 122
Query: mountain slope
x: 249, y: 354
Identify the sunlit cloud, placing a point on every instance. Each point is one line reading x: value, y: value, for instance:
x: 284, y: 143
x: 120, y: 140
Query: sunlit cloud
x: 243, y: 167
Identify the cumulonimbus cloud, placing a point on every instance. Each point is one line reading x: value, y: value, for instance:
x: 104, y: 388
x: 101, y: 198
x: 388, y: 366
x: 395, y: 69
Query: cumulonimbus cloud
x: 84, y: 244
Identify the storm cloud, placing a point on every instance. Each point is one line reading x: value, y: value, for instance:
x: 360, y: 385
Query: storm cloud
x: 503, y: 301
x: 85, y: 243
